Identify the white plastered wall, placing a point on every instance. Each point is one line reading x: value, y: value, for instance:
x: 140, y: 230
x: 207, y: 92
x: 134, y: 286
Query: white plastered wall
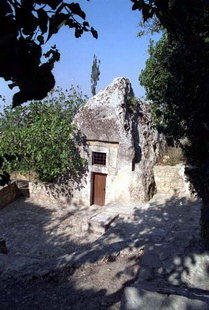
x: 122, y: 184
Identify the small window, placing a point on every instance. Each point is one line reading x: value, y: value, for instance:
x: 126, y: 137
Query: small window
x: 99, y: 158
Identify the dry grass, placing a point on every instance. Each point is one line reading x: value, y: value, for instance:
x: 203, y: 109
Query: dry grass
x: 24, y: 177
x: 172, y: 156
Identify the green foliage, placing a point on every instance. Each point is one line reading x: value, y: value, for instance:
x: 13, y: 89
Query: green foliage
x: 25, y: 26
x: 162, y: 82
x: 149, y: 27
x: 180, y: 87
x: 185, y: 17
x: 95, y: 73
x: 41, y: 136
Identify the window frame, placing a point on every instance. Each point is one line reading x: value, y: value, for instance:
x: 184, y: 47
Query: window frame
x: 99, y: 158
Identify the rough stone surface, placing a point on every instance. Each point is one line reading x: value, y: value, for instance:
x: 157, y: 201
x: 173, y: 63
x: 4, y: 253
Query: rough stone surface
x: 49, y: 193
x: 196, y: 273
x: 114, y: 124
x: 139, y: 298
x: 8, y: 194
x: 100, y: 222
x: 176, y: 302
x: 171, y: 180
x: 135, y: 299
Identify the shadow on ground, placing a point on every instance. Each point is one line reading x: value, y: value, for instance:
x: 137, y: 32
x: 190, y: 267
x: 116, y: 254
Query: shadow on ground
x: 165, y: 231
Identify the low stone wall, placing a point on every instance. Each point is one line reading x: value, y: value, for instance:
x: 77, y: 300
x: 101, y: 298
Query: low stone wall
x: 8, y: 194
x: 46, y: 193
x: 171, y: 180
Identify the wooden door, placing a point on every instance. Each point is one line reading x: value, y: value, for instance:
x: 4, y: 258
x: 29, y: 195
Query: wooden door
x: 99, y: 185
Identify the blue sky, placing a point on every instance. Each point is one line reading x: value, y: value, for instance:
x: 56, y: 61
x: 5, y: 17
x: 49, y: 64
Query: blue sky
x: 121, y: 52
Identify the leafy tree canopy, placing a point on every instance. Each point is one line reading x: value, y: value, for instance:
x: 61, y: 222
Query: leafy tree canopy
x: 188, y: 17
x: 161, y: 81
x: 40, y: 137
x: 177, y: 81
x: 25, y: 26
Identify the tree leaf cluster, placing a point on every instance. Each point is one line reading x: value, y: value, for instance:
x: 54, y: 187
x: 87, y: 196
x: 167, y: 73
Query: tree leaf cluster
x: 25, y: 26
x: 176, y: 79
x: 40, y: 137
x: 162, y: 84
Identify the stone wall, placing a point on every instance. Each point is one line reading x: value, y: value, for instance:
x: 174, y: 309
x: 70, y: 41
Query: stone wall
x: 171, y: 180
x: 48, y: 194
x: 8, y: 194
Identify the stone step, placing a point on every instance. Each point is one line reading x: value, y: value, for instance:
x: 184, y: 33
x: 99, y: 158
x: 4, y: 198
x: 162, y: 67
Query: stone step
x: 100, y: 222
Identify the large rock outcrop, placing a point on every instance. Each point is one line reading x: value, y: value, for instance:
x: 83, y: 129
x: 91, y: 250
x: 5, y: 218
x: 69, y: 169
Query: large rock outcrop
x: 116, y: 124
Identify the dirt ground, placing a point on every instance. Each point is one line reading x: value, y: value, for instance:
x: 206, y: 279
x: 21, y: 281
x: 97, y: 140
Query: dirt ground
x: 48, y: 231
x: 54, y: 263
x: 37, y: 233
x: 93, y: 286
